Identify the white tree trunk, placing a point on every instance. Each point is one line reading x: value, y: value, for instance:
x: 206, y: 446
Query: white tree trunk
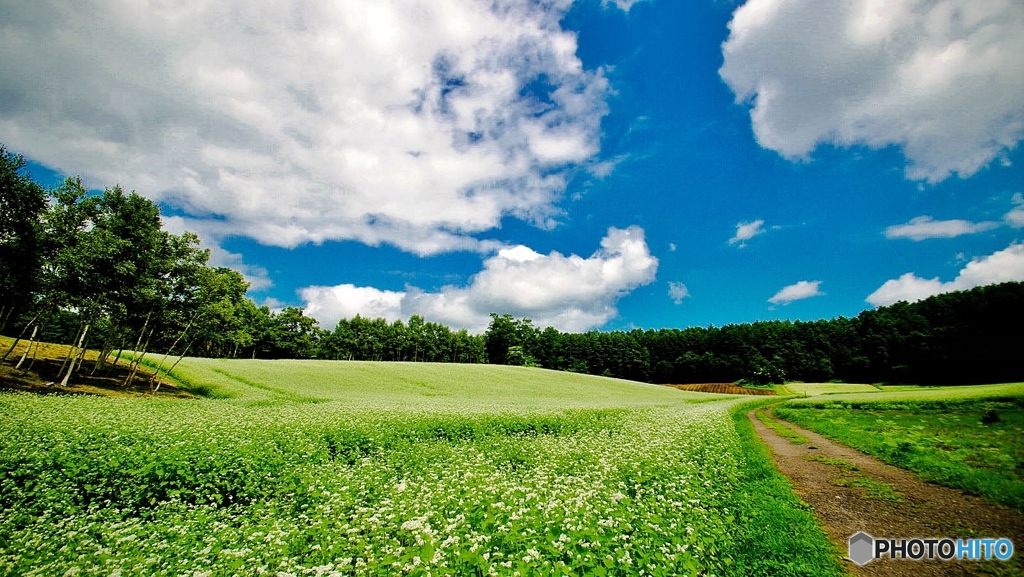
x: 20, y: 336
x: 138, y: 361
x: 168, y: 353
x: 30, y: 341
x: 71, y: 367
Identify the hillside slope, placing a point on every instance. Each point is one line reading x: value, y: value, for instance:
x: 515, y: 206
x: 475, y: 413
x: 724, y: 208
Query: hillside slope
x: 412, y: 386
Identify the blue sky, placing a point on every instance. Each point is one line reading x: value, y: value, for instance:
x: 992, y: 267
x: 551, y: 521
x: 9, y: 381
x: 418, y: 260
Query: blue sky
x: 587, y: 164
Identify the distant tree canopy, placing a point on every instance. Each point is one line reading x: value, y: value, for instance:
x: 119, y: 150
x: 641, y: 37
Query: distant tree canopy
x: 954, y: 338
x: 98, y: 270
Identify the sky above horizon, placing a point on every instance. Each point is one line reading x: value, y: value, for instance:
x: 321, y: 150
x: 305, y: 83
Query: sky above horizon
x: 587, y: 164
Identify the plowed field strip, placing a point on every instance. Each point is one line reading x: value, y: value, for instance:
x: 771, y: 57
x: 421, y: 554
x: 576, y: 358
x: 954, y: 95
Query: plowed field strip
x: 722, y: 388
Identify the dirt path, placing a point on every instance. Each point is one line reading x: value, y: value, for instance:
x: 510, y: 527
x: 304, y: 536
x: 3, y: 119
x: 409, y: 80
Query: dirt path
x: 850, y: 492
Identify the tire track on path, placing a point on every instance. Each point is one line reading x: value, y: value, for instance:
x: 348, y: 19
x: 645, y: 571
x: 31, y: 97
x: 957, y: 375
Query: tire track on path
x: 826, y: 475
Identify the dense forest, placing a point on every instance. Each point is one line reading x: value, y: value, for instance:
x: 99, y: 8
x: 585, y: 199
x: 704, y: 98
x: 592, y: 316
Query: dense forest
x: 99, y: 271
x: 961, y: 337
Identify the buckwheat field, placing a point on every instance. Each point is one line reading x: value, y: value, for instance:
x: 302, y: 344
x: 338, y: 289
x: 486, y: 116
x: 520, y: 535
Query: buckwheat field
x: 375, y: 469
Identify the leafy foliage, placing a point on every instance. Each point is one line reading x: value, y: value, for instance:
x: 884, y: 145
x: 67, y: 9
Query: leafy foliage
x: 953, y: 338
x: 22, y: 201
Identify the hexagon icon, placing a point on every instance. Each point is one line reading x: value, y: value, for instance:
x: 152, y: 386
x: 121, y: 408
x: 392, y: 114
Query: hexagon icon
x: 861, y: 548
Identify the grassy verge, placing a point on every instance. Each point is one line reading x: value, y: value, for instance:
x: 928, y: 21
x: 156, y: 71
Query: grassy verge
x: 780, y: 429
x: 198, y: 388
x: 852, y: 477
x: 845, y: 465
x: 874, y: 489
x: 816, y: 389
x: 970, y: 444
x: 777, y: 534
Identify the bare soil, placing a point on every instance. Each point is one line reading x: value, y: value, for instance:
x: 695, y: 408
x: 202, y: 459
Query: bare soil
x: 831, y: 479
x: 722, y: 388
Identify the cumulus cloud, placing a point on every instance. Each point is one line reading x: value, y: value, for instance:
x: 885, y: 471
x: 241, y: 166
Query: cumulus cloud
x: 942, y: 79
x: 923, y: 227
x: 209, y: 238
x: 677, y: 291
x: 746, y: 231
x: 415, y: 123
x: 570, y: 293
x: 794, y: 292
x: 1002, y: 266
x: 1015, y: 217
x: 345, y: 301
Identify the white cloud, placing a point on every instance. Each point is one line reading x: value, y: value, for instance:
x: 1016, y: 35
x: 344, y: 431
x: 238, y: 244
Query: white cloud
x: 257, y: 276
x: 677, y: 291
x: 942, y: 79
x: 794, y: 292
x: 923, y: 227
x: 570, y: 293
x: 345, y: 301
x: 273, y: 304
x: 908, y: 287
x: 1002, y: 266
x: 416, y: 123
x: 746, y: 231
x: 1015, y: 217
x: 210, y: 239
x: 624, y: 5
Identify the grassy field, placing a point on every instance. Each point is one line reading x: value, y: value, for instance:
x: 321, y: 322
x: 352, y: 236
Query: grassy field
x: 341, y: 468
x: 964, y: 437
x: 815, y: 389
x: 917, y: 394
x: 419, y: 386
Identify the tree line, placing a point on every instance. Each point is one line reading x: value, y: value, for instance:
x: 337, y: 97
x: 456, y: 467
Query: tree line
x: 99, y: 271
x: 962, y: 337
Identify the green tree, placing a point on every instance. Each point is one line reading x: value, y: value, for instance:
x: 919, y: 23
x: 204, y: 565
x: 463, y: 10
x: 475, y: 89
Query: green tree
x: 295, y: 335
x: 500, y: 335
x: 506, y: 331
x: 129, y: 264
x: 71, y: 278
x: 515, y: 356
x: 22, y: 204
x: 548, y: 350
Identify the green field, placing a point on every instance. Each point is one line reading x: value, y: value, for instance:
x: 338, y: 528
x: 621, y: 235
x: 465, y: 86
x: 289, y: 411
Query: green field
x: 963, y: 437
x: 342, y: 468
x: 431, y: 387
x: 915, y: 394
x: 815, y: 389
